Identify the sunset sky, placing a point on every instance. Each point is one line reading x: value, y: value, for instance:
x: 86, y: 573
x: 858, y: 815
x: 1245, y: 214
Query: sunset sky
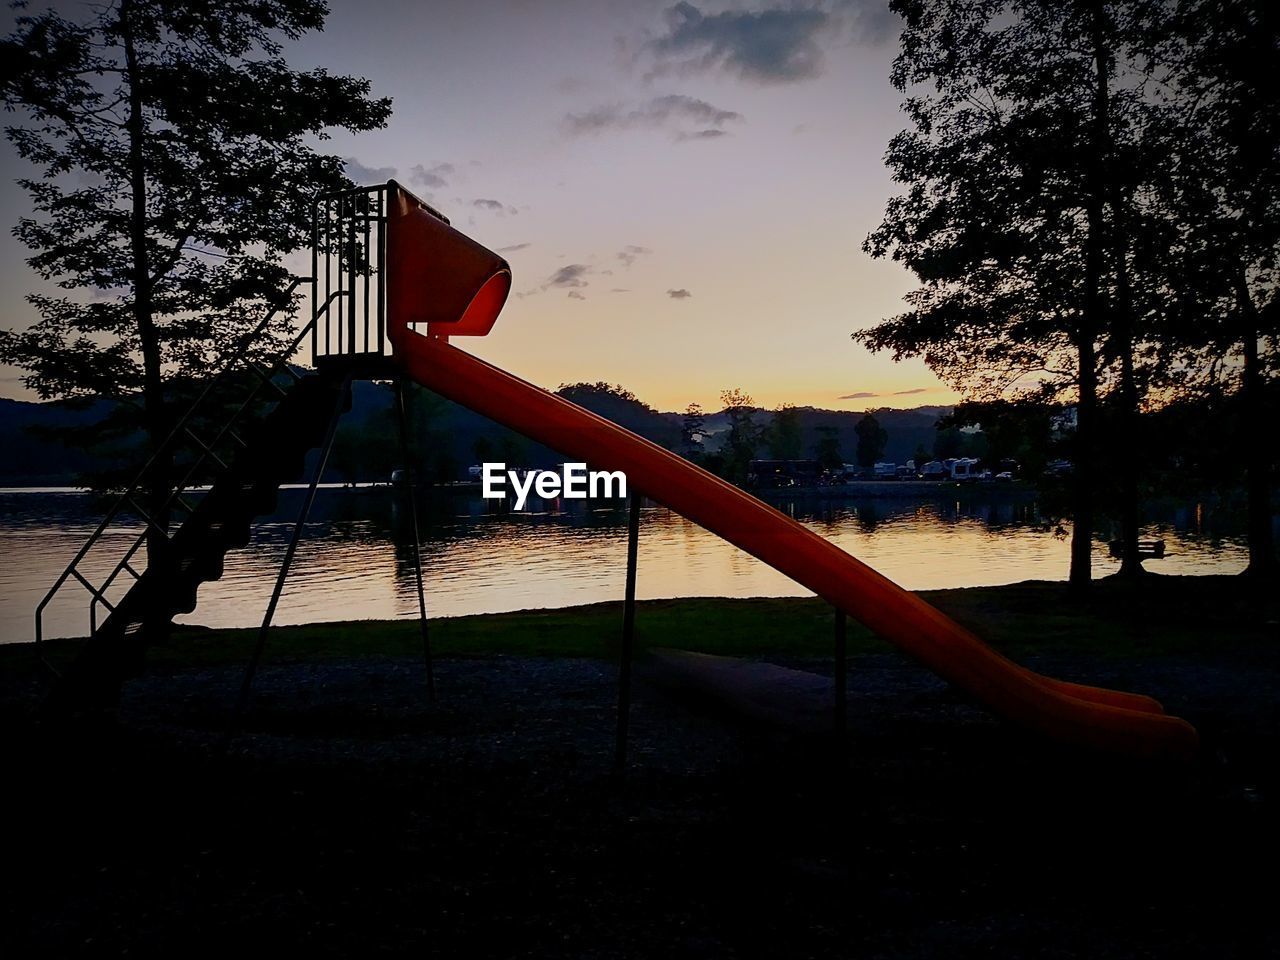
x: 682, y: 189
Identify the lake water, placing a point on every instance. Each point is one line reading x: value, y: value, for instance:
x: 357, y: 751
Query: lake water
x: 356, y: 559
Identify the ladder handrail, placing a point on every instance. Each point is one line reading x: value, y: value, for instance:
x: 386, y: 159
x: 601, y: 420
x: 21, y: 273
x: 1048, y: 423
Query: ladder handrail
x: 229, y: 359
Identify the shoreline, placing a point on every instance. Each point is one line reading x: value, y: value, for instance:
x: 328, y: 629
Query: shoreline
x: 1160, y: 613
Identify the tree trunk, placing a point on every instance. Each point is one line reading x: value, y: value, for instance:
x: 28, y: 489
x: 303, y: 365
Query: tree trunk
x: 1083, y: 467
x: 1257, y: 451
x: 1091, y: 319
x: 153, y: 401
x: 1125, y: 441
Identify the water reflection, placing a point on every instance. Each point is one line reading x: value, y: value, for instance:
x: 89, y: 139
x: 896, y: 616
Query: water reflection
x: 356, y: 558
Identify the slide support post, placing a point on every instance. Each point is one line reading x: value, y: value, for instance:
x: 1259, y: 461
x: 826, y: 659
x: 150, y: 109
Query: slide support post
x: 411, y: 493
x: 840, y: 711
x: 628, y: 634
x: 251, y: 668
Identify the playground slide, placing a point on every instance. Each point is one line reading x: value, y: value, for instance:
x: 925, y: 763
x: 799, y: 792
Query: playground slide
x: 1106, y: 720
x: 445, y: 282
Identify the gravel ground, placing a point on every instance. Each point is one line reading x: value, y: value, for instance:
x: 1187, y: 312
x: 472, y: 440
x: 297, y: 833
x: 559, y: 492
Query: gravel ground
x: 351, y: 817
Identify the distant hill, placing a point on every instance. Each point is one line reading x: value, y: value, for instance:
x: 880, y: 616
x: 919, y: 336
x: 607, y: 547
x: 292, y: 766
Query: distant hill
x: 907, y: 429
x: 30, y: 459
x: 451, y: 437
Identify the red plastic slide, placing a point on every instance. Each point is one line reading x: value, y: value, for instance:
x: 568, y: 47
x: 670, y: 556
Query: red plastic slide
x: 1107, y: 720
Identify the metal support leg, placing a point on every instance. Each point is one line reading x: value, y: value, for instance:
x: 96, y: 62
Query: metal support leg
x: 841, y: 703
x: 628, y: 634
x: 251, y: 669
x: 411, y: 487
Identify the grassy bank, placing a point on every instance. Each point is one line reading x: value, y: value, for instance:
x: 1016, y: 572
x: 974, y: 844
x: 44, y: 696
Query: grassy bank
x: 1158, y: 616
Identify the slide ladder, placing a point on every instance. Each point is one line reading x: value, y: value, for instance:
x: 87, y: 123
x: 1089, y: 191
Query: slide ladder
x: 224, y: 476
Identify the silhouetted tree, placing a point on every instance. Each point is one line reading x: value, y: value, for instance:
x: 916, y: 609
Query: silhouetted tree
x: 744, y: 436
x: 1018, y: 431
x: 482, y: 450
x: 948, y: 441
x: 1223, y: 117
x: 576, y: 391
x: 1032, y: 143
x: 784, y: 434
x: 691, y: 425
x: 171, y: 144
x: 514, y: 448
x: 872, y: 439
x: 827, y: 450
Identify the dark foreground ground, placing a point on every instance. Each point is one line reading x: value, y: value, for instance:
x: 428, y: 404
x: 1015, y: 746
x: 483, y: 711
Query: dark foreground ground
x: 352, y: 818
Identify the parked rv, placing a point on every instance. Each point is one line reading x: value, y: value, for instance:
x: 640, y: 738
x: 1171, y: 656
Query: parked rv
x: 784, y: 473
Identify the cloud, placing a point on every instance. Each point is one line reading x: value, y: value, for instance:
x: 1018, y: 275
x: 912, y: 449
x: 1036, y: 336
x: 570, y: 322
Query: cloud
x: 774, y: 45
x: 867, y: 394
x: 433, y: 178
x: 782, y: 43
x: 513, y: 248
x: 575, y: 295
x: 872, y: 21
x: 631, y: 253
x: 681, y: 294
x: 358, y: 172
x: 620, y: 290
x: 709, y: 134
x: 674, y: 111
x: 497, y: 206
x: 570, y: 275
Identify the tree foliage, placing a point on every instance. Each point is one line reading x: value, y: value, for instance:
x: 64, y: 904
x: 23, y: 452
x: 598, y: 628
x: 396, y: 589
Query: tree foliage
x: 600, y: 388
x: 691, y: 430
x: 1089, y: 209
x: 872, y: 438
x: 827, y: 450
x: 744, y: 435
x: 784, y: 435
x: 173, y: 158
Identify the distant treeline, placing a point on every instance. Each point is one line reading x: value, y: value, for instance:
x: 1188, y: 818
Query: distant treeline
x: 1186, y: 446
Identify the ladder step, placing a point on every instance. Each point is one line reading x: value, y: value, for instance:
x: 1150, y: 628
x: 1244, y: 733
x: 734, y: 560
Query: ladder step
x: 146, y: 516
x: 265, y: 377
x: 208, y: 451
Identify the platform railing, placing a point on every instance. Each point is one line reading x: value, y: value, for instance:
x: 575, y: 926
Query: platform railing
x: 349, y: 255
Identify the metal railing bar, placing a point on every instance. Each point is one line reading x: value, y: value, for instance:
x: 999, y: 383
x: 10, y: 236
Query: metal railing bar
x: 155, y: 524
x: 328, y: 264
x: 122, y: 565
x: 315, y: 264
x: 382, y: 269
x: 208, y: 450
x: 92, y: 589
x: 367, y: 339
x: 354, y: 268
x: 264, y: 376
